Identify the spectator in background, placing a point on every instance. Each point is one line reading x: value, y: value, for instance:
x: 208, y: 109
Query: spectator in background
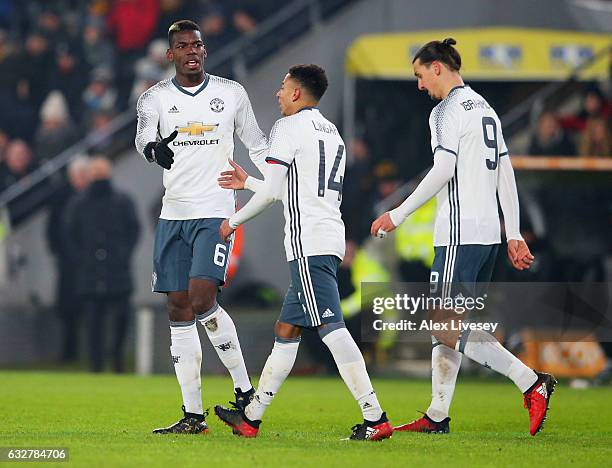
x: 131, y: 24
x: 14, y: 92
x: 594, y: 104
x: 67, y: 304
x: 17, y: 163
x: 69, y: 77
x: 99, y: 96
x: 171, y: 11
x: 97, y: 50
x: 101, y: 229
x: 243, y: 20
x: 387, y: 178
x: 98, y: 8
x: 214, y: 28
x: 4, y: 141
x: 356, y: 190
x: 595, y: 139
x: 99, y: 122
x: 56, y: 131
x: 550, y: 139
x: 34, y: 67
x: 151, y: 69
x: 49, y: 23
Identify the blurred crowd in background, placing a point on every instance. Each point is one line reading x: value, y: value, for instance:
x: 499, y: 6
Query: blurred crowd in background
x: 67, y: 67
x: 586, y: 133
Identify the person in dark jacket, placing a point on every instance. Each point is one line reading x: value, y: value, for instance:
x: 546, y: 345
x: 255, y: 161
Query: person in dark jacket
x: 101, y: 229
x: 550, y: 139
x: 67, y: 304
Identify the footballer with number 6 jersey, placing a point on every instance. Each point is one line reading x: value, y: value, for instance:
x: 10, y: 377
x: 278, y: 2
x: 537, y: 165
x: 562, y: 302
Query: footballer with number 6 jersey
x: 187, y: 125
x: 305, y: 169
x: 471, y: 168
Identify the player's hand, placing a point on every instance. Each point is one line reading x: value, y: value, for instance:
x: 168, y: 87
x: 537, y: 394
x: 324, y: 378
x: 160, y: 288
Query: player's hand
x: 159, y: 152
x: 234, y: 179
x: 519, y: 255
x: 225, y: 230
x: 382, y: 224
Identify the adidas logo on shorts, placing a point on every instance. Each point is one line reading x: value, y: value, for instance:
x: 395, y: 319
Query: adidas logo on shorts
x: 327, y: 313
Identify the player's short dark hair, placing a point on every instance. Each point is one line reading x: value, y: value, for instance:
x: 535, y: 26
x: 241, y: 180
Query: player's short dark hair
x: 180, y: 26
x: 441, y: 51
x: 312, y: 77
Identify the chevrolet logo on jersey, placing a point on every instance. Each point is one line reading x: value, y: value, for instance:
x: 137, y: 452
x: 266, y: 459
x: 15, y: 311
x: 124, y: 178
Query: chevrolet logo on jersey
x: 193, y: 129
x: 197, y: 128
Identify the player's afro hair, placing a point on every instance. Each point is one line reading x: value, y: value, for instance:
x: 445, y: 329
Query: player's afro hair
x: 179, y: 26
x: 440, y: 51
x: 312, y: 77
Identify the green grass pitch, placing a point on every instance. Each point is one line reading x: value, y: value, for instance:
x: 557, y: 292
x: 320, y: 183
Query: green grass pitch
x: 106, y: 420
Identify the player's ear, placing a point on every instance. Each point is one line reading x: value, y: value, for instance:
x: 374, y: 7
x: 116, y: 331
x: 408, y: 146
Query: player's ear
x: 436, y: 67
x: 297, y: 92
x: 169, y: 55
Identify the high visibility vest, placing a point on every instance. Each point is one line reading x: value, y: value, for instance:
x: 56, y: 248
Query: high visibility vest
x: 414, y: 237
x: 364, y: 269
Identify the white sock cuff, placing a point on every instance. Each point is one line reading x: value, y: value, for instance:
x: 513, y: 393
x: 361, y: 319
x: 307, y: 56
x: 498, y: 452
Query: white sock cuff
x: 343, y: 347
x: 335, y: 335
x: 286, y: 345
x: 328, y: 328
x: 181, y: 326
x: 183, y: 331
x: 214, y: 311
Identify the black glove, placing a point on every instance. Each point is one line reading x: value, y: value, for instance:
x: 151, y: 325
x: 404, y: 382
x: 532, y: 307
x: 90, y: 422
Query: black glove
x: 158, y: 151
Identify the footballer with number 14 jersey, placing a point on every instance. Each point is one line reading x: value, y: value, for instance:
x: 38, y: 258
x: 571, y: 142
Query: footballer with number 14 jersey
x: 305, y: 169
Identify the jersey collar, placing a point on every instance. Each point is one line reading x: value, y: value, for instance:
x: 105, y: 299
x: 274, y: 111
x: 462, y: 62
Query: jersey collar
x: 183, y: 90
x: 457, y: 87
x: 307, y: 108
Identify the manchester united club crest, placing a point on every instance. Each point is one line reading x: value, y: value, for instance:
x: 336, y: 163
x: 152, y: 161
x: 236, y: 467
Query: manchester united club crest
x: 217, y: 105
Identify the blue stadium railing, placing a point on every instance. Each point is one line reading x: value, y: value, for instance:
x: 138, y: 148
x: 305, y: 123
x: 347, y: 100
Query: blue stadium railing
x: 32, y: 192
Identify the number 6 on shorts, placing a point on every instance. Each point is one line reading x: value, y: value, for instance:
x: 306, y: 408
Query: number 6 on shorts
x: 220, y: 257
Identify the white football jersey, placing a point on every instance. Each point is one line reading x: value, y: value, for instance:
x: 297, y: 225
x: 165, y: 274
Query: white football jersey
x: 465, y: 125
x: 313, y: 151
x: 206, y: 120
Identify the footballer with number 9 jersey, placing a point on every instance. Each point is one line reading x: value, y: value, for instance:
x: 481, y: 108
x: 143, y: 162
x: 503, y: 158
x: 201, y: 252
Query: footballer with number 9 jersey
x: 471, y: 168
x: 186, y: 125
x: 305, y: 169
